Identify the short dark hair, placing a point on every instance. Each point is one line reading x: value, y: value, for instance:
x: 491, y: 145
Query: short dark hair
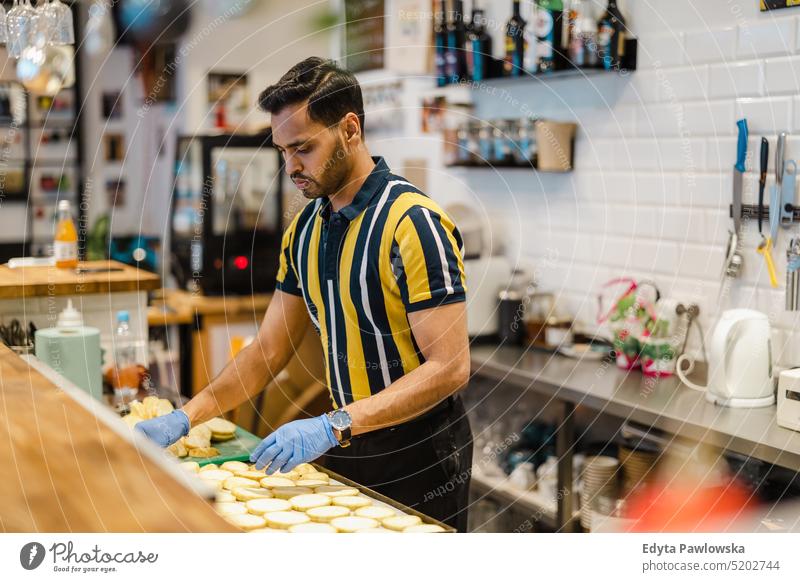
x: 332, y: 92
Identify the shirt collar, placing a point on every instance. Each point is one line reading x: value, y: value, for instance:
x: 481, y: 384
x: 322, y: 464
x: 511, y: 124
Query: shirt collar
x: 369, y: 189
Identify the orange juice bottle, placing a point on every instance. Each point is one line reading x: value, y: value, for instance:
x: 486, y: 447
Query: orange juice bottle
x: 65, y: 245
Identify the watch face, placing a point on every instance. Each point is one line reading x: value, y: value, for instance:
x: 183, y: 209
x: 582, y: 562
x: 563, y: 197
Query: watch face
x: 340, y: 419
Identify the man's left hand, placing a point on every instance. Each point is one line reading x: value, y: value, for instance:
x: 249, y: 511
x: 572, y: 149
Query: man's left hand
x: 300, y: 441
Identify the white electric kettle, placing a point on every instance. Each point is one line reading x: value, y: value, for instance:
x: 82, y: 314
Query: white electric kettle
x: 740, y: 363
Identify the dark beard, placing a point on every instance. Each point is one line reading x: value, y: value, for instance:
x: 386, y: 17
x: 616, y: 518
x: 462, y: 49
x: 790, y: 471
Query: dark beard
x: 335, y: 176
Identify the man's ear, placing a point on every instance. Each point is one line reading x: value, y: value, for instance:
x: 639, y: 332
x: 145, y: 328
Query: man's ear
x: 352, y: 128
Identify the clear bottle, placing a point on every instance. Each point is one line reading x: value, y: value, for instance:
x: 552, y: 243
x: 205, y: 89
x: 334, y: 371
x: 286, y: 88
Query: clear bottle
x: 575, y: 48
x: 529, y: 17
x: 65, y: 243
x: 525, y: 146
x: 485, y: 143
x: 464, y: 154
x: 587, y: 34
x: 574, y: 14
x: 500, y: 142
x: 126, y: 369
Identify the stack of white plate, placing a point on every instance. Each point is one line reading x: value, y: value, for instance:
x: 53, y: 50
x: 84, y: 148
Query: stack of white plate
x: 599, y: 480
x: 637, y: 467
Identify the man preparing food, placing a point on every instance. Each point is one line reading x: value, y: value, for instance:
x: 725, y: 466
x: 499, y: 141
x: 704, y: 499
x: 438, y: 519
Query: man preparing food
x: 376, y: 266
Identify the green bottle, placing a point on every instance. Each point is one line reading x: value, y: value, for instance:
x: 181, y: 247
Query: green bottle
x: 548, y: 28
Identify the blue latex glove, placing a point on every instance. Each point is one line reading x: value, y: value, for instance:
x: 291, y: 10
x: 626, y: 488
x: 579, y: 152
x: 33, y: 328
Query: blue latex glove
x: 165, y: 430
x: 297, y: 442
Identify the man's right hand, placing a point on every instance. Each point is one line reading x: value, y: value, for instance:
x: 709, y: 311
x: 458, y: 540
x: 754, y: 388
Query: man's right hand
x: 167, y: 429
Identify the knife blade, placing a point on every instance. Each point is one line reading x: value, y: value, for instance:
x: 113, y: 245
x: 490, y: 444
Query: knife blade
x: 738, y: 174
x: 776, y: 192
x: 779, y: 158
x: 762, y: 181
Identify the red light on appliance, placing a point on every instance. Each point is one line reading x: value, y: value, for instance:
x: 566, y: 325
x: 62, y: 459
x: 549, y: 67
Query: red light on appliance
x: 241, y: 262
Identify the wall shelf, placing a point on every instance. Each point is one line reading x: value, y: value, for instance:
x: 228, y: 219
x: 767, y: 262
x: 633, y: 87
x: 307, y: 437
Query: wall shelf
x: 628, y: 65
x: 529, y: 168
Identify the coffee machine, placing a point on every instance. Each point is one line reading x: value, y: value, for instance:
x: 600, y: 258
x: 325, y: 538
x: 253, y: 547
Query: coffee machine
x: 226, y: 214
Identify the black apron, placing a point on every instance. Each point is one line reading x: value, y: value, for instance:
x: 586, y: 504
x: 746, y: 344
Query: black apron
x: 424, y: 464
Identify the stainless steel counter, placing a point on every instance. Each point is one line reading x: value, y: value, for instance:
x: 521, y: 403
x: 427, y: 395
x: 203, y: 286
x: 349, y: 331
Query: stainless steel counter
x: 665, y: 404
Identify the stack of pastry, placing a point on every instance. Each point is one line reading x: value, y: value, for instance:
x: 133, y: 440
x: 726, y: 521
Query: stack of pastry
x: 303, y: 500
x: 197, y: 443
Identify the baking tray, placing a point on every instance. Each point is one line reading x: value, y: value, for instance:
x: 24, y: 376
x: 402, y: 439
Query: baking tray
x: 236, y: 449
x: 240, y: 447
x: 383, y: 499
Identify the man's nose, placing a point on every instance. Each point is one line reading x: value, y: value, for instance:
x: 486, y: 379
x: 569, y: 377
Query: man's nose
x: 293, y: 166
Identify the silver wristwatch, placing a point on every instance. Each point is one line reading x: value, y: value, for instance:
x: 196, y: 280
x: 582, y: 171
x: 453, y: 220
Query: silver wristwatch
x: 341, y: 423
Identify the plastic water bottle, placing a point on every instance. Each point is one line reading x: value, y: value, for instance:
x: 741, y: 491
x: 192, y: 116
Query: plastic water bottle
x: 126, y: 369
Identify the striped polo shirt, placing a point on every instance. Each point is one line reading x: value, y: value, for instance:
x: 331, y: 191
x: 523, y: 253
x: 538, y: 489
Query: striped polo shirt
x: 361, y: 271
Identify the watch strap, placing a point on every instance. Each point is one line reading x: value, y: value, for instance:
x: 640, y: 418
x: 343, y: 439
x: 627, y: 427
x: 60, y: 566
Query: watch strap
x: 343, y: 435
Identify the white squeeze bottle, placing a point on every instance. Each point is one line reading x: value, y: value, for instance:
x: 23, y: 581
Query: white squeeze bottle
x: 126, y: 369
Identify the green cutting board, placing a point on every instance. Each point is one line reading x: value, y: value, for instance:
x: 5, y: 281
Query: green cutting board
x: 236, y: 449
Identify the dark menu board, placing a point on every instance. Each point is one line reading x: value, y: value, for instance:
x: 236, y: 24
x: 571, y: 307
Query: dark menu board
x: 775, y: 4
x: 364, y: 34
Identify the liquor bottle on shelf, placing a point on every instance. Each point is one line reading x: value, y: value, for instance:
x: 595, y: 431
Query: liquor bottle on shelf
x: 515, y: 43
x: 549, y: 31
x: 528, y: 12
x: 611, y: 35
x: 468, y: 31
x: 479, y: 47
x: 573, y: 41
x: 440, y: 44
x: 455, y: 59
x: 583, y: 51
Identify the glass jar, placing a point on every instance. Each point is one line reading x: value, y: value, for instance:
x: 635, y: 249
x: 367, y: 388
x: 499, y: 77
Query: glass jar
x: 525, y: 142
x: 501, y: 150
x: 485, y: 143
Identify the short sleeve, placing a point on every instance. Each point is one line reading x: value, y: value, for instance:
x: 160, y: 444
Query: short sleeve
x: 429, y: 261
x: 287, y: 280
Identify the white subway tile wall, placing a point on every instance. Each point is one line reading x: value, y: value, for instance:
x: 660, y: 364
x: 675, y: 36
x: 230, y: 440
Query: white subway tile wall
x: 654, y: 157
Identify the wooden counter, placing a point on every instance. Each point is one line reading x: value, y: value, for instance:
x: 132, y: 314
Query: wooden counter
x: 50, y: 281
x: 207, y: 324
x: 66, y: 470
x: 183, y: 302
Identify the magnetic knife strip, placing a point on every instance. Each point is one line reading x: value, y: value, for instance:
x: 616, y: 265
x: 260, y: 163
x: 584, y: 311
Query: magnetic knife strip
x: 750, y: 211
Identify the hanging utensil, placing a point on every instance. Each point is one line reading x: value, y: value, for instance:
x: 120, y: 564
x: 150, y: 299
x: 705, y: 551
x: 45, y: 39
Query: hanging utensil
x: 765, y: 246
x: 793, y: 251
x: 15, y: 335
x: 762, y: 182
x: 765, y: 250
x: 738, y: 175
x: 788, y: 185
x: 775, y: 205
x: 780, y: 156
x: 793, y: 276
x: 733, y: 258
